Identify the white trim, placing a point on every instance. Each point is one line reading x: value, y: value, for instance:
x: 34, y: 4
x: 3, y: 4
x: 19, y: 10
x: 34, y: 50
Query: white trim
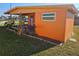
x: 48, y: 12
x: 48, y: 16
x: 49, y: 20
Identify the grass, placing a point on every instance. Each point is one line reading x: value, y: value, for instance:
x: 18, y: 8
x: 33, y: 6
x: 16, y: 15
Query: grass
x: 70, y: 48
x: 14, y: 45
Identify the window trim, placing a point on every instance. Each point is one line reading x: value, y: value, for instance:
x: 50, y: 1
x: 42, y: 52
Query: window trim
x: 49, y: 16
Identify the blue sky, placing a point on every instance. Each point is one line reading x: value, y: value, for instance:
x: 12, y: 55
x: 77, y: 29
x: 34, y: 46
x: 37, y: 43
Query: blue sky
x: 6, y: 6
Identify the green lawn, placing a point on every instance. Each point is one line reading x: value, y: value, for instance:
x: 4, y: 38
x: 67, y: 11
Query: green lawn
x: 12, y: 44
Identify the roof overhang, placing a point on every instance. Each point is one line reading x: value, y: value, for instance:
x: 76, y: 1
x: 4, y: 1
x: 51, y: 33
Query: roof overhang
x: 72, y: 9
x: 19, y: 11
x: 25, y: 9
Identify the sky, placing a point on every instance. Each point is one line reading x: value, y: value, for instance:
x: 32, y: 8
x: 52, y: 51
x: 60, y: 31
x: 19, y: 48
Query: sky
x: 6, y: 6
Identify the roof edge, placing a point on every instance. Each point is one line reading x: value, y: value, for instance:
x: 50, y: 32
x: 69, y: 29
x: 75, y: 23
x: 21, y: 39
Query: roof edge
x: 61, y: 5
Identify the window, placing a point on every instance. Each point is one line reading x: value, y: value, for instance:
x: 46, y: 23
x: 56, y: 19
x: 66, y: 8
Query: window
x: 49, y: 16
x: 70, y: 15
x: 26, y: 18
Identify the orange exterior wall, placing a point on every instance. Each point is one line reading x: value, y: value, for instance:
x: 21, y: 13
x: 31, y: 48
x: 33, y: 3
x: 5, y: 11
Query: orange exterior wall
x: 60, y: 29
x: 68, y: 28
x: 51, y: 29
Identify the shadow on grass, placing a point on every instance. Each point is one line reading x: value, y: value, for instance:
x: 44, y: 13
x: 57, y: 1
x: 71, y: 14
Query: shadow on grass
x: 14, y: 45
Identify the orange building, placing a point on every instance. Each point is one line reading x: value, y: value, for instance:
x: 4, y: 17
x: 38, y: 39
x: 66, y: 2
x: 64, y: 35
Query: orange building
x: 54, y: 21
